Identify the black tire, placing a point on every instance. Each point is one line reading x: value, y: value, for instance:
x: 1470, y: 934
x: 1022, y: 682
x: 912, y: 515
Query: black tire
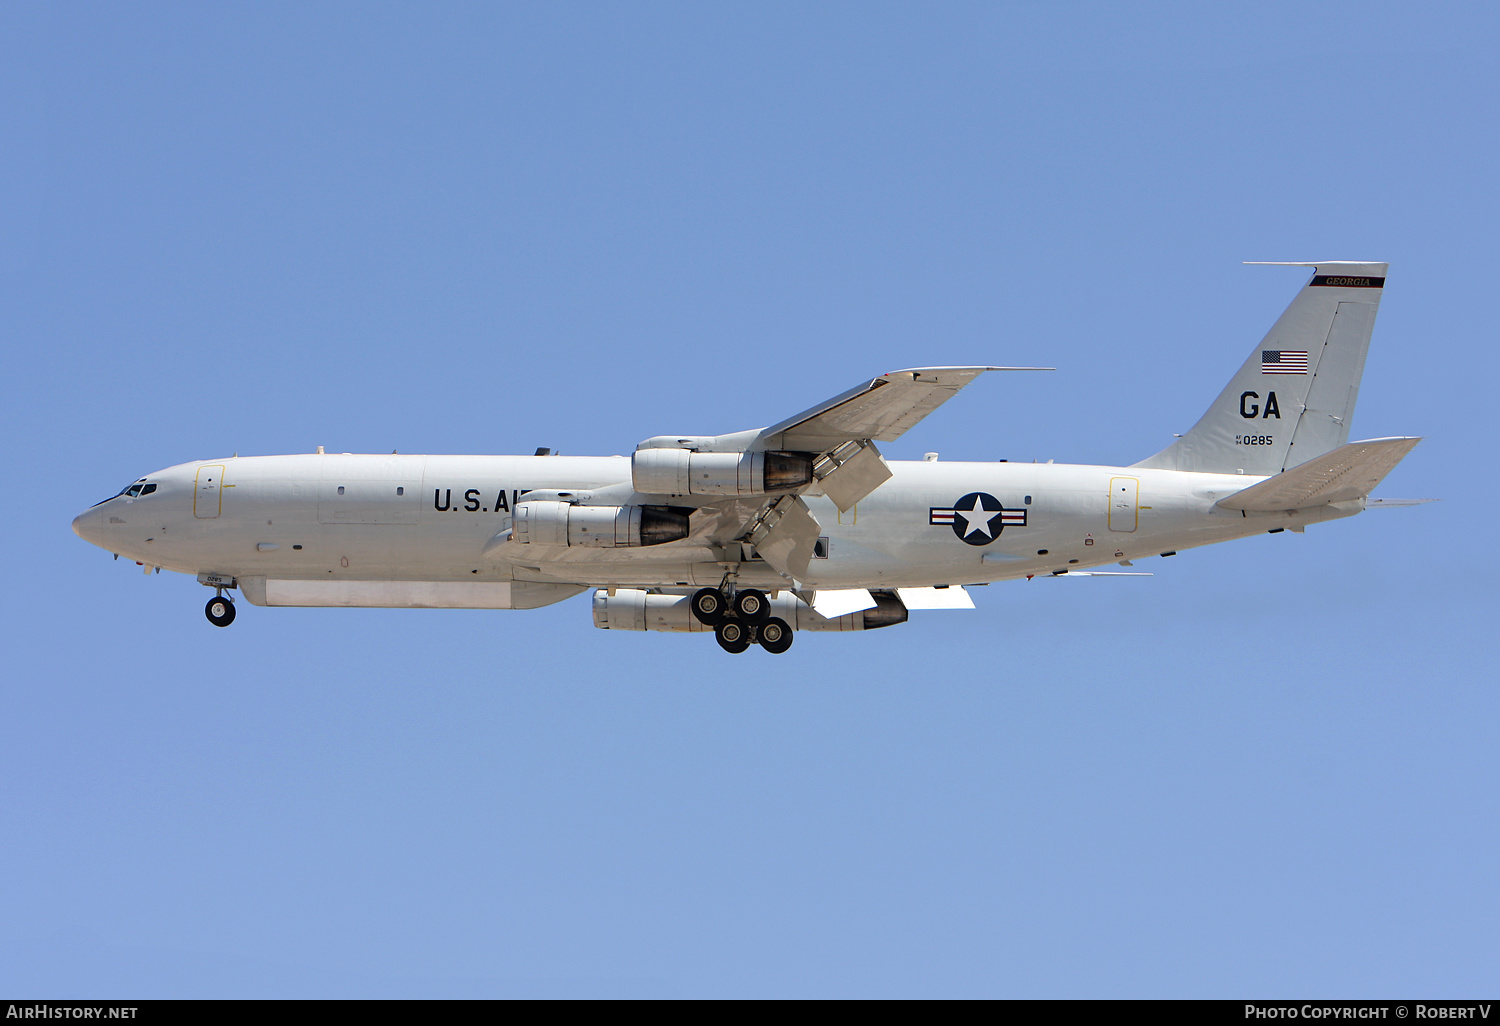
x: 752, y: 606
x: 708, y: 606
x: 732, y: 636
x: 775, y: 635
x: 220, y: 611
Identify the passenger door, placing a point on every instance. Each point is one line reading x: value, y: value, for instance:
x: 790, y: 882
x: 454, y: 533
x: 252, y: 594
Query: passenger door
x: 208, y: 493
x: 1124, y: 503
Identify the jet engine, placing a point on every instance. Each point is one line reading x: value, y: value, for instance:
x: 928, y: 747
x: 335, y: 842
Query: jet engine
x: 631, y: 609
x: 605, y: 527
x: 684, y: 472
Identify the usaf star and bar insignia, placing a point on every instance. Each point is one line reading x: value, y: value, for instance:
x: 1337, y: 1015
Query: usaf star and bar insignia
x: 977, y: 518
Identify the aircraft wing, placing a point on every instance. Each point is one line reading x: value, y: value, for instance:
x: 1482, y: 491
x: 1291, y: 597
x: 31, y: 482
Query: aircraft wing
x: 843, y: 430
x: 1348, y: 472
x: 881, y: 410
x: 841, y: 434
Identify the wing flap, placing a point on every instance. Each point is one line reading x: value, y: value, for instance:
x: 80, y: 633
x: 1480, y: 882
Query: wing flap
x: 854, y: 475
x: 1351, y: 471
x: 936, y: 598
x: 833, y: 604
x: 786, y: 536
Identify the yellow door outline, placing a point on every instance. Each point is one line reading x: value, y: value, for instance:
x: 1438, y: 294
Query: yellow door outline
x: 1124, y: 503
x: 210, y: 507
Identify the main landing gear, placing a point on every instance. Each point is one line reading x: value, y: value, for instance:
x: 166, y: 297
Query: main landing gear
x: 220, y: 610
x: 741, y: 619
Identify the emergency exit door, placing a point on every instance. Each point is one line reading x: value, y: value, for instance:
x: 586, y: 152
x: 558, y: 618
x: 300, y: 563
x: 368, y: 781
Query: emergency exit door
x: 208, y: 495
x: 1124, y: 503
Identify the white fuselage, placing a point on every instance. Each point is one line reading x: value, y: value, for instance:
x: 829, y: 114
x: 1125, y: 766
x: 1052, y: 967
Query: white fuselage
x: 366, y: 518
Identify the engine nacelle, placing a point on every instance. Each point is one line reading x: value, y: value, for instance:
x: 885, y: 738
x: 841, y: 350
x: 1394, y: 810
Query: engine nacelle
x: 605, y: 527
x: 684, y: 472
x: 631, y: 609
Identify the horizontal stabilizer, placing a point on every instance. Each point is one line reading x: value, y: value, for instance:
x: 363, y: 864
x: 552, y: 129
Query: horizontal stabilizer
x: 935, y: 598
x: 1393, y: 503
x: 1348, y: 472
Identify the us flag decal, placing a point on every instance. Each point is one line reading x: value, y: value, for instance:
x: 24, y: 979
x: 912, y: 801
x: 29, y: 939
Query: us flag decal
x: 1283, y: 361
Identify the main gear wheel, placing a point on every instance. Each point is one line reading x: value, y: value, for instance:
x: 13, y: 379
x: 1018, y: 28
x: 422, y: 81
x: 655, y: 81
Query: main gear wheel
x: 775, y: 635
x: 733, y: 636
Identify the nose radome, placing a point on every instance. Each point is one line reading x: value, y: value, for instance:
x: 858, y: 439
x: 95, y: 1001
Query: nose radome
x: 86, y: 525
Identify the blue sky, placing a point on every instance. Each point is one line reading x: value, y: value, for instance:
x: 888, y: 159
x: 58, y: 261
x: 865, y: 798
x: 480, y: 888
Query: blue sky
x: 1270, y: 769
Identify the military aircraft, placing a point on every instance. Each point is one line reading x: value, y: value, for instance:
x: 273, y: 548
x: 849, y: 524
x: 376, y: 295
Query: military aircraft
x: 801, y: 526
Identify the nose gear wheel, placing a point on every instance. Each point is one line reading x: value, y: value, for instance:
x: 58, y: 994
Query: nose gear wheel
x: 220, y: 611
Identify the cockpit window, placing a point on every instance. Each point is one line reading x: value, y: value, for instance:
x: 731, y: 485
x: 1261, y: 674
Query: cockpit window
x: 131, y: 490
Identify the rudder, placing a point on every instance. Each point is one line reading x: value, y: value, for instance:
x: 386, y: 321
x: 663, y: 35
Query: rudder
x: 1293, y: 399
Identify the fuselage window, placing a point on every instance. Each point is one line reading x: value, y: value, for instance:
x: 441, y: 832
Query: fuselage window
x: 341, y: 489
x: 400, y: 490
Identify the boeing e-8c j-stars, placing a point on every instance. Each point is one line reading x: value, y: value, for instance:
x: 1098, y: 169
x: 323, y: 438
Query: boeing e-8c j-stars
x: 755, y: 535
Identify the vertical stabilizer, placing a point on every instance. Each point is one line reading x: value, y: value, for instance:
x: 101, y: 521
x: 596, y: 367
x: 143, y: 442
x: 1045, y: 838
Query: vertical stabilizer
x: 1294, y: 397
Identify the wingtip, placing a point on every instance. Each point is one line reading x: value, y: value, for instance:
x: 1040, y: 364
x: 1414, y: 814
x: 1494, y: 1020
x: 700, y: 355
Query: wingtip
x: 977, y: 370
x: 1315, y: 263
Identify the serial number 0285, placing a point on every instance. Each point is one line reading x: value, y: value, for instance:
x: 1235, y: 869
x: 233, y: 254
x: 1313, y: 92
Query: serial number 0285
x: 1254, y: 439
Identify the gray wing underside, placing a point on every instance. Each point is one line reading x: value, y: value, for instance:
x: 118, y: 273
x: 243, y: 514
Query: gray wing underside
x: 880, y: 410
x: 725, y: 520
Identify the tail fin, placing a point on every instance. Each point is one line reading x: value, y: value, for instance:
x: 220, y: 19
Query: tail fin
x: 1293, y: 399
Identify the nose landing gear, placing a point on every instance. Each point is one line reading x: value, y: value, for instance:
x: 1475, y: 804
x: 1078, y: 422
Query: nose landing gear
x: 220, y: 610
